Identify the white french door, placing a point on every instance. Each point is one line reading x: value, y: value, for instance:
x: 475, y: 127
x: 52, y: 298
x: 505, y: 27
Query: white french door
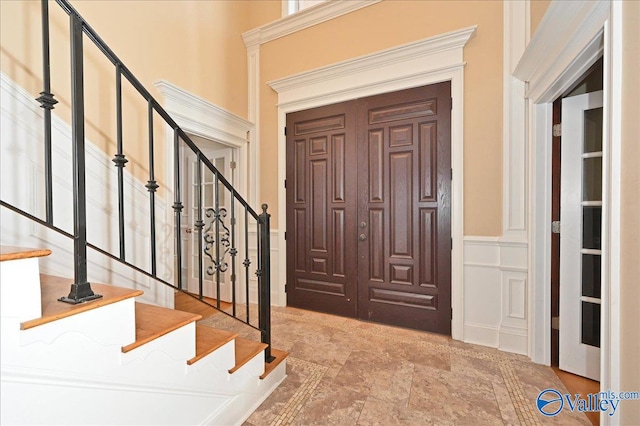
x: 581, y: 234
x: 213, y: 252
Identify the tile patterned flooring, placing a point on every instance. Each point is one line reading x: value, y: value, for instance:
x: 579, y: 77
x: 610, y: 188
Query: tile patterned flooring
x: 342, y: 371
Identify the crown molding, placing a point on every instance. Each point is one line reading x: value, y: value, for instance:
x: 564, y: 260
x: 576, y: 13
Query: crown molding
x: 185, y: 107
x: 400, y: 62
x: 306, y: 18
x: 566, y: 43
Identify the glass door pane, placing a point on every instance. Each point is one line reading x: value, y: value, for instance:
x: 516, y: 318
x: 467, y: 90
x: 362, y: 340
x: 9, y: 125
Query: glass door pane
x: 591, y: 226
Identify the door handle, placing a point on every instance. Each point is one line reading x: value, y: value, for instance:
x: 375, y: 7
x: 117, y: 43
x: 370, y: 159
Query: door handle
x: 363, y: 224
x: 362, y: 237
x: 188, y: 231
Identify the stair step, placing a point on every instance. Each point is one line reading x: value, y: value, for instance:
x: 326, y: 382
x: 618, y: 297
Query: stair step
x: 55, y: 287
x: 270, y: 366
x: 208, y: 339
x: 153, y: 322
x: 15, y: 253
x: 245, y: 350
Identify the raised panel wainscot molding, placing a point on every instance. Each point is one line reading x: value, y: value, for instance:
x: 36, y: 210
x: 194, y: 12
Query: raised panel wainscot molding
x: 495, y: 289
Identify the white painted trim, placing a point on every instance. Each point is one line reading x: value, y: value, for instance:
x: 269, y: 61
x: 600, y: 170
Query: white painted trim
x: 514, y: 199
x: 564, y: 46
x: 200, y: 117
x: 610, y: 356
x: 495, y: 285
x: 540, y: 144
x: 305, y: 18
x: 432, y: 54
x: 427, y: 61
x: 568, y: 41
x: 253, y: 76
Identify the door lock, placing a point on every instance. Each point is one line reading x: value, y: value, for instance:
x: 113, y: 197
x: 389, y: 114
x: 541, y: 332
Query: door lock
x: 363, y: 224
x: 188, y: 231
x: 362, y: 237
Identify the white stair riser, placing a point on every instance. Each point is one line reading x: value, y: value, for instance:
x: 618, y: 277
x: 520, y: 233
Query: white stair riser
x: 178, y: 344
x: 112, y: 324
x: 20, y: 289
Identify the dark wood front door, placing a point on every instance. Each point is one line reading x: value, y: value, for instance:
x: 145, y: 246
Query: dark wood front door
x: 321, y: 209
x: 369, y: 208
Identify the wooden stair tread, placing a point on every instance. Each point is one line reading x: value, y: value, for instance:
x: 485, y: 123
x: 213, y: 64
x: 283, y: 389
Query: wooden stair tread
x: 270, y: 366
x: 245, y: 350
x: 14, y: 253
x: 154, y: 321
x: 208, y: 339
x: 52, y: 288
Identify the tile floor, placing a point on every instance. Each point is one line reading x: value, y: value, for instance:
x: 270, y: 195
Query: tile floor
x: 342, y: 371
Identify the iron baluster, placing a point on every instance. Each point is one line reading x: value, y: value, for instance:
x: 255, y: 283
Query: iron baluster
x: 177, y: 205
x: 80, y: 289
x: 47, y: 102
x: 119, y: 160
x: 152, y: 186
x: 264, y: 282
x: 217, y: 219
x: 199, y: 225
x: 233, y: 252
x: 247, y: 260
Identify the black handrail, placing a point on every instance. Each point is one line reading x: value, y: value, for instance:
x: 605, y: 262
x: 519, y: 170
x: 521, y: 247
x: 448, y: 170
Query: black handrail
x: 115, y: 258
x: 218, y: 233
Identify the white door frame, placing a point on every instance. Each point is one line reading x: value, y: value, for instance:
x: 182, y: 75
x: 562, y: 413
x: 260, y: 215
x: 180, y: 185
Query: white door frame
x: 202, y: 118
x: 420, y: 63
x: 199, y: 117
x: 570, y: 38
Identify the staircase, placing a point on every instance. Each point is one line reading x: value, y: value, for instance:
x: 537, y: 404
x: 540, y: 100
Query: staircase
x: 114, y: 360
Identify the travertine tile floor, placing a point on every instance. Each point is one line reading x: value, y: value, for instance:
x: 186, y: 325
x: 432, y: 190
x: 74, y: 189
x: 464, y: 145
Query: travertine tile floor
x: 342, y: 371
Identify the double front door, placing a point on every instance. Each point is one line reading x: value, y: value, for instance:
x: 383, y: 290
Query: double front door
x: 369, y: 208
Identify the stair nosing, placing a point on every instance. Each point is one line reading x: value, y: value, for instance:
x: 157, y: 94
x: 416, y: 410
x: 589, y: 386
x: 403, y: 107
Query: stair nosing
x: 16, y: 253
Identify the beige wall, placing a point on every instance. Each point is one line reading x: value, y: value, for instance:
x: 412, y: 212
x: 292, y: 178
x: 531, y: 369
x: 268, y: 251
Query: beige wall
x: 630, y: 212
x: 388, y: 24
x: 537, y: 10
x: 196, y: 45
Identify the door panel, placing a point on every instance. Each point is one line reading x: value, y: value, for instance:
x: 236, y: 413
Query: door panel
x: 321, y: 207
x: 580, y: 235
x: 405, y: 256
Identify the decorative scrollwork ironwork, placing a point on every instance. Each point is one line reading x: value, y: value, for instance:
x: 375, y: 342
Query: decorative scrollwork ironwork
x: 220, y: 263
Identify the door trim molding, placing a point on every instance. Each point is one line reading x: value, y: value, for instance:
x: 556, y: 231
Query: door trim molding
x: 202, y: 118
x: 420, y: 63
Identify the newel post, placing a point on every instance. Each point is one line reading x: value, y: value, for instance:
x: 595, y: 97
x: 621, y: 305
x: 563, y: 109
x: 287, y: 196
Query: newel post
x: 264, y: 282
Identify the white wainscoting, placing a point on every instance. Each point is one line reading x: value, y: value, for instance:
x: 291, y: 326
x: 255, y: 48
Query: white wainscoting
x: 495, y: 293
x: 22, y: 185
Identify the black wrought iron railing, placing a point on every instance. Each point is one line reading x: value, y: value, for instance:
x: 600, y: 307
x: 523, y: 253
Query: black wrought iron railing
x: 223, y: 245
